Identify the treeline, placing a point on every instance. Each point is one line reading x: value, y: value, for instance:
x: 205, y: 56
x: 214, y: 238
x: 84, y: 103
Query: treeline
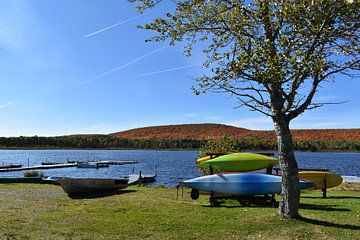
x: 102, y: 141
x: 227, y: 143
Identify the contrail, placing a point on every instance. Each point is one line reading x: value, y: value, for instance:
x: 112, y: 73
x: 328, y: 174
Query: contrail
x: 168, y: 70
x: 114, y: 25
x: 120, y: 67
x: 6, y: 105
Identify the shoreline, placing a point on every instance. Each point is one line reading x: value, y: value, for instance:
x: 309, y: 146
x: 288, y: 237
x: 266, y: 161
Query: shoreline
x: 163, y: 149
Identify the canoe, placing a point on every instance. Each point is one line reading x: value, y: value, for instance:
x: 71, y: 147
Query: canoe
x: 319, y: 178
x: 240, y: 162
x: 74, y: 186
x: 240, y: 184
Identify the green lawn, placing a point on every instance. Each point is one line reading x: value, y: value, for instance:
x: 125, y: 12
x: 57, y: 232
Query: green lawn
x: 31, y: 211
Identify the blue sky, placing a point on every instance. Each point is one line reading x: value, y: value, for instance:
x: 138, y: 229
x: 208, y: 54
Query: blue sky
x: 83, y: 67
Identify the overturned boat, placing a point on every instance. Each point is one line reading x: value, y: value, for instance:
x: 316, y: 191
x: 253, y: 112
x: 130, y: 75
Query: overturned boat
x: 73, y: 186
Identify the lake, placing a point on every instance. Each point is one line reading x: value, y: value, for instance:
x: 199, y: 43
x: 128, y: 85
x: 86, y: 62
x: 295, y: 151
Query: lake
x: 170, y: 166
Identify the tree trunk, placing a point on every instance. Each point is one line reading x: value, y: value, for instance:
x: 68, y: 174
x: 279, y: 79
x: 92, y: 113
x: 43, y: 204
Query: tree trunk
x: 290, y: 193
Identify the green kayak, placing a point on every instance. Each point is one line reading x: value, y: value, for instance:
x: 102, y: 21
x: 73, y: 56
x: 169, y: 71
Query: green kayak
x: 240, y: 162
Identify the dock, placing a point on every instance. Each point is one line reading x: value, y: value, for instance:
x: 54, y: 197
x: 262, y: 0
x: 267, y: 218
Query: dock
x: 114, y: 162
x: 64, y: 165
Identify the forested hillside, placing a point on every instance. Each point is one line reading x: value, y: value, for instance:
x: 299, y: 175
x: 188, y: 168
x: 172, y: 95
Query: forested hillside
x: 192, y: 136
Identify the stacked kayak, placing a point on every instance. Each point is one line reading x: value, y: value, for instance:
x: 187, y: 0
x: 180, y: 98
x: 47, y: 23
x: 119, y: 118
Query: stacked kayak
x: 238, y: 181
x: 322, y: 180
x: 240, y: 184
x: 239, y: 162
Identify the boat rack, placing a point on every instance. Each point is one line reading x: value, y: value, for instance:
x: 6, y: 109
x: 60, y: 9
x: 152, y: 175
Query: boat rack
x: 263, y: 200
x: 277, y: 172
x: 252, y: 200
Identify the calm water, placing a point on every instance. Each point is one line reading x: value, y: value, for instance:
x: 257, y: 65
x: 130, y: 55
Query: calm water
x: 170, y: 166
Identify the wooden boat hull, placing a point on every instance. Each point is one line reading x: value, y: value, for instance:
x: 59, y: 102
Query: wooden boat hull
x: 240, y: 162
x: 240, y: 184
x: 322, y: 180
x: 87, y: 185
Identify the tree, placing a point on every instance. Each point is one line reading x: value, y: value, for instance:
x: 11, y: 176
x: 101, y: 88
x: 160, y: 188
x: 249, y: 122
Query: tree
x: 271, y: 55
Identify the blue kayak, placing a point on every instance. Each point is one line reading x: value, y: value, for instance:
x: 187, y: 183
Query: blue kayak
x: 241, y: 184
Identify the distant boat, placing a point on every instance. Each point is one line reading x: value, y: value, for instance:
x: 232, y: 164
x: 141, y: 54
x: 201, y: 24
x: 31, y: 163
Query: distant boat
x: 91, y: 165
x: 73, y: 186
x: 51, y: 163
x: 11, y: 166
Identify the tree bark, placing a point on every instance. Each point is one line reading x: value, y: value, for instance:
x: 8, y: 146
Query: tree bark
x: 290, y: 193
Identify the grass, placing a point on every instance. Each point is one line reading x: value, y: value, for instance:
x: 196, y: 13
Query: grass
x: 32, y: 211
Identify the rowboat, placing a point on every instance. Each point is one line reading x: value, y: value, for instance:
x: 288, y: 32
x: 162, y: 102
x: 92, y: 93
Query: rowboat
x: 73, y: 186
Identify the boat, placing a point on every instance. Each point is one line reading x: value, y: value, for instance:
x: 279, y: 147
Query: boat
x: 91, y: 165
x: 203, y: 159
x: 240, y: 162
x: 52, y: 180
x: 240, y: 184
x: 73, y: 186
x: 322, y: 180
x: 11, y: 166
x: 51, y: 163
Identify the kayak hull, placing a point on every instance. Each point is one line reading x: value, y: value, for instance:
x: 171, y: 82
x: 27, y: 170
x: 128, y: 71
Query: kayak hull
x: 240, y: 184
x: 240, y: 162
x: 322, y: 180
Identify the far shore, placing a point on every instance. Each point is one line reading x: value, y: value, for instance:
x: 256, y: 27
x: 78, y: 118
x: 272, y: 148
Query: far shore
x: 159, y: 149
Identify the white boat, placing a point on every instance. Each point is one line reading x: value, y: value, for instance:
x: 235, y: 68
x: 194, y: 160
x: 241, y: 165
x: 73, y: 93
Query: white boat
x: 91, y: 185
x: 91, y: 165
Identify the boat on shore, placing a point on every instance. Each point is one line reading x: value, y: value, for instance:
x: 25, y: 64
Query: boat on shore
x: 73, y: 186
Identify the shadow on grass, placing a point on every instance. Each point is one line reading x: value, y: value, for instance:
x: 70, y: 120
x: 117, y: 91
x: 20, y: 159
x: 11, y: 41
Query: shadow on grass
x: 239, y: 205
x: 332, y: 197
x: 329, y: 224
x: 99, y: 194
x: 323, y: 207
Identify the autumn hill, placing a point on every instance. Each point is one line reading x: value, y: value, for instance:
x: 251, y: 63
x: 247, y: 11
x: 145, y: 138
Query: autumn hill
x: 193, y: 136
x: 217, y: 131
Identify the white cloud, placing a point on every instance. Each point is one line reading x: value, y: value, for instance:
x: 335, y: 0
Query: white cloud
x: 259, y: 123
x: 120, y: 67
x: 97, y: 128
x: 190, y: 115
x: 24, y: 38
x: 6, y: 105
x: 214, y: 118
x: 18, y: 28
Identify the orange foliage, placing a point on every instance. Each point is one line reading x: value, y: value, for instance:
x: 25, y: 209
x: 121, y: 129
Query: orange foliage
x: 216, y: 131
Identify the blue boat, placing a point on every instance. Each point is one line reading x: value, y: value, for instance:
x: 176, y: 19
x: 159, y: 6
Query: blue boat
x: 240, y: 184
